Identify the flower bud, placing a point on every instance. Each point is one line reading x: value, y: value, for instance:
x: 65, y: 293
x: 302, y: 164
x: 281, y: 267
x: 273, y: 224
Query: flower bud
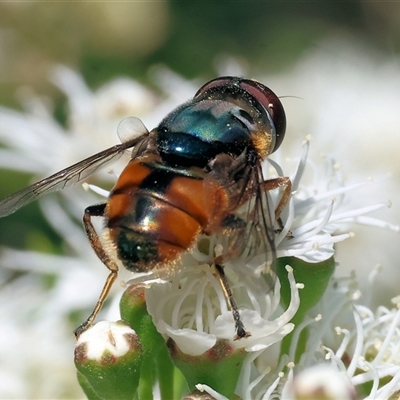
x: 219, y: 367
x: 108, y: 358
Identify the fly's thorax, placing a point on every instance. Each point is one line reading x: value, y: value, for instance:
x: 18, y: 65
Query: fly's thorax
x: 197, y: 132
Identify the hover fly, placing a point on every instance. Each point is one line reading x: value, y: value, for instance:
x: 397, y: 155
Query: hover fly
x: 188, y: 176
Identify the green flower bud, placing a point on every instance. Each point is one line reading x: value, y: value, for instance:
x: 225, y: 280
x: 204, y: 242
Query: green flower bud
x: 219, y: 367
x: 108, y: 358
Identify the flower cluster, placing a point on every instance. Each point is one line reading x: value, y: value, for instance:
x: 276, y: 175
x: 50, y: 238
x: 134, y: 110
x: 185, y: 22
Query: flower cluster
x: 306, y: 328
x: 194, y: 320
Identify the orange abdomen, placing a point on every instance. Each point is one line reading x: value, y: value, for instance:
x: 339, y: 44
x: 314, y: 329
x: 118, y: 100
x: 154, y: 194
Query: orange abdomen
x: 155, y: 213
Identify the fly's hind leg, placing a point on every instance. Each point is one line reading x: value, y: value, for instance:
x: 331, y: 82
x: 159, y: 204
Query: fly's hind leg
x: 239, y: 327
x: 95, y: 242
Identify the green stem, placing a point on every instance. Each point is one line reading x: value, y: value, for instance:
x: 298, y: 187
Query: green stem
x: 147, y: 379
x: 165, y: 371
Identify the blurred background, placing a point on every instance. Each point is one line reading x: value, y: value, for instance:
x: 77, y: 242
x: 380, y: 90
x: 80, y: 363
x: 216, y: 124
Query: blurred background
x: 336, y: 63
x: 106, y: 39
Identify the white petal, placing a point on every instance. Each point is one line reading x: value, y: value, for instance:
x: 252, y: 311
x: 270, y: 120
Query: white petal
x: 263, y: 333
x: 189, y: 341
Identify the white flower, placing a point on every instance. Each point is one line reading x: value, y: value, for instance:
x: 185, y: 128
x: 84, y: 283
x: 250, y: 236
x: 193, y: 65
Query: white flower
x: 195, y: 315
x: 37, y: 143
x: 367, y: 344
x: 320, y: 382
x: 347, y: 342
x: 320, y: 214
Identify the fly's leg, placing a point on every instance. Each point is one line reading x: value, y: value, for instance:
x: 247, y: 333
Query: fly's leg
x: 237, y: 224
x: 97, y: 211
x: 239, y: 327
x: 273, y: 184
x: 276, y: 183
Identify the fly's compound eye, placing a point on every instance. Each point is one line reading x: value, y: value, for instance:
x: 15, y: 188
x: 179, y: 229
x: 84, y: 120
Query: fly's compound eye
x: 271, y: 103
x: 264, y: 96
x: 216, y: 84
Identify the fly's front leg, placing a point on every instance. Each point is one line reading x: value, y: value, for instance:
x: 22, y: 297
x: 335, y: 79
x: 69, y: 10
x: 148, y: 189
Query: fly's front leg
x: 277, y: 183
x: 95, y: 242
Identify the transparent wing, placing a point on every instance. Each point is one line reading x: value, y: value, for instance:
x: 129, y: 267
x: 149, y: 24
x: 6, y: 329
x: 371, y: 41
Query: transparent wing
x: 262, y: 225
x: 65, y: 178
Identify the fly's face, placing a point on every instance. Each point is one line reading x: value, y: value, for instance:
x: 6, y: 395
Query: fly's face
x: 193, y: 174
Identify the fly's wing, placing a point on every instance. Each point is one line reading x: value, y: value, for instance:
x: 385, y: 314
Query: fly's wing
x: 261, y: 224
x: 249, y: 224
x: 67, y: 177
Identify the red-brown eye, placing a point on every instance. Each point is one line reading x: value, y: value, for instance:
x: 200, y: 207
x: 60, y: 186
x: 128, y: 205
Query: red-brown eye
x: 261, y: 93
x: 270, y: 101
x: 216, y: 83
